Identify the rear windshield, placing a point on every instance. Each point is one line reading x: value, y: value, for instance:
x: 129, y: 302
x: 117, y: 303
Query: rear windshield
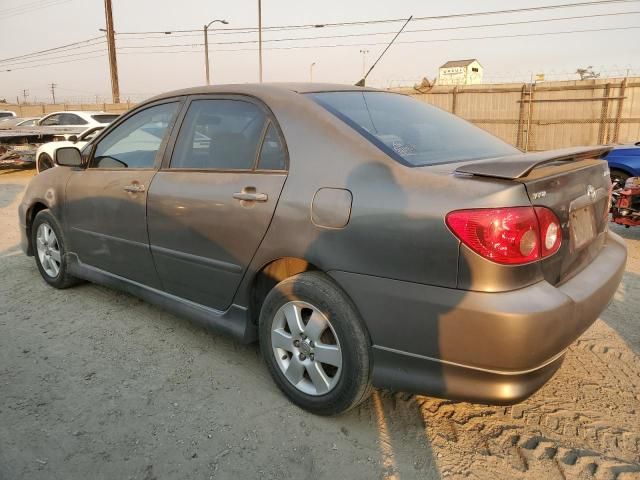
x: 411, y: 131
x: 104, y: 118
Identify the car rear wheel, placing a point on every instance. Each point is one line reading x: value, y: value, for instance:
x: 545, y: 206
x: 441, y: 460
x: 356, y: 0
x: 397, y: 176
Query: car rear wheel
x: 49, y: 248
x: 45, y: 162
x: 315, y: 345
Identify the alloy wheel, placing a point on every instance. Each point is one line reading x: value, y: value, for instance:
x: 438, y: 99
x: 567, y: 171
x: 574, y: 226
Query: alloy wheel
x: 306, y: 348
x: 48, y: 250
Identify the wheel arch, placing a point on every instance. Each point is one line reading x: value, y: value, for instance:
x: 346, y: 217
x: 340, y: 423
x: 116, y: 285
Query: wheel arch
x: 269, y: 275
x: 33, y: 210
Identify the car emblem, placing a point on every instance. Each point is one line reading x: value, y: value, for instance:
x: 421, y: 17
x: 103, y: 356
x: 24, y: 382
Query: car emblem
x: 591, y: 192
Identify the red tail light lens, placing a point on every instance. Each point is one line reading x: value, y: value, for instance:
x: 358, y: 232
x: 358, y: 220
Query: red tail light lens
x: 511, y: 236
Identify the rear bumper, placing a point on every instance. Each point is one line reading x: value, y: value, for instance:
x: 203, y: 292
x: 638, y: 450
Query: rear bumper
x: 486, y: 347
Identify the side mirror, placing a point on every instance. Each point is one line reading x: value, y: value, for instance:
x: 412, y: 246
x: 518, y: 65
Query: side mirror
x: 68, y: 157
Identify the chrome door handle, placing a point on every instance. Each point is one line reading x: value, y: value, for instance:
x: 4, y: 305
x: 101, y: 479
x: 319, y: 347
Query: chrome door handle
x: 251, y: 196
x: 134, y: 188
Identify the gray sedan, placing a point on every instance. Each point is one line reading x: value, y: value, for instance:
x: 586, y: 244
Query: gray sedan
x: 364, y: 238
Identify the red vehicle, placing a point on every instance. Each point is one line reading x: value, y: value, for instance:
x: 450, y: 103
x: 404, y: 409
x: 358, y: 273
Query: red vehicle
x: 626, y: 207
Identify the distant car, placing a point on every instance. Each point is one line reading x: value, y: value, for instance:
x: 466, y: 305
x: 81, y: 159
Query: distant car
x: 77, y: 119
x: 10, y: 123
x: 46, y: 151
x: 7, y: 113
x: 364, y: 237
x: 624, y: 162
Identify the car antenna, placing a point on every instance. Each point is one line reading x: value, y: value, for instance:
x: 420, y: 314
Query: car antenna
x: 363, y: 80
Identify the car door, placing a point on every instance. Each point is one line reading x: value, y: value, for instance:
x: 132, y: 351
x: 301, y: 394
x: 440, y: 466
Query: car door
x: 211, y: 204
x: 106, y: 203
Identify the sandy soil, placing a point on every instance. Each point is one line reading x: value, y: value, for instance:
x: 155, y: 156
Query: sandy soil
x: 96, y: 384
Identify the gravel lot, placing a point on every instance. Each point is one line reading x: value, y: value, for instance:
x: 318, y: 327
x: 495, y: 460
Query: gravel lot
x: 96, y: 384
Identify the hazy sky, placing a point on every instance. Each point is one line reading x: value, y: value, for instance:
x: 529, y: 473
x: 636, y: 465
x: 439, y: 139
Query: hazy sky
x: 51, y: 23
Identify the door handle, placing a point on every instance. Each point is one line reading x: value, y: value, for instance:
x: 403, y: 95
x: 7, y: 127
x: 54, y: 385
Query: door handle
x: 134, y: 188
x: 251, y: 196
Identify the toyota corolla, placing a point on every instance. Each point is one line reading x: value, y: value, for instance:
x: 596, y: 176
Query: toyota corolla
x: 363, y: 237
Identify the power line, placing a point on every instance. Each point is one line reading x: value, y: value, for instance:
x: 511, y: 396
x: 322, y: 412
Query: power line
x: 21, y: 10
x: 27, y: 62
x: 406, y: 42
x: 239, y: 42
x: 65, y: 47
x: 53, y: 63
x: 391, y: 20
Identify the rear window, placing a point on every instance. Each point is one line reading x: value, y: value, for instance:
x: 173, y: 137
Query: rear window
x: 104, y: 118
x: 410, y: 131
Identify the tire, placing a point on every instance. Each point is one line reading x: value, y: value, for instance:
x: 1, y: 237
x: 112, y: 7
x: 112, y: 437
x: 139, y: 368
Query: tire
x: 54, y: 272
x: 619, y: 176
x: 45, y: 162
x: 317, y: 299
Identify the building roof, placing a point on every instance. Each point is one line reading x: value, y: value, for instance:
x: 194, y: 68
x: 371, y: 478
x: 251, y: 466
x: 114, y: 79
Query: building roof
x: 458, y: 63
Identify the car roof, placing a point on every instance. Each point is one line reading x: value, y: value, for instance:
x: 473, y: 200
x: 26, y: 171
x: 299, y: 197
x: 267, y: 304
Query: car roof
x: 258, y: 88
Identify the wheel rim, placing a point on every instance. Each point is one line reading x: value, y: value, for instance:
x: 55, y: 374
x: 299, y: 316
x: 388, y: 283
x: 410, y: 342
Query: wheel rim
x: 48, y: 250
x: 306, y: 348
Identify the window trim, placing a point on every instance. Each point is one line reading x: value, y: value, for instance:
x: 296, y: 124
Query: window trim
x: 123, y: 118
x: 271, y: 119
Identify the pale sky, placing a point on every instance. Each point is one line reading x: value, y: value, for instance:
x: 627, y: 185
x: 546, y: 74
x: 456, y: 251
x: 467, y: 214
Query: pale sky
x: 58, y: 22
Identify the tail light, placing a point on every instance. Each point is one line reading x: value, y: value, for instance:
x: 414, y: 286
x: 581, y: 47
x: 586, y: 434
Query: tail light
x: 511, y: 236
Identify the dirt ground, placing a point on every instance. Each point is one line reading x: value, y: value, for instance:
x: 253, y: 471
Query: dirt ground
x: 96, y: 384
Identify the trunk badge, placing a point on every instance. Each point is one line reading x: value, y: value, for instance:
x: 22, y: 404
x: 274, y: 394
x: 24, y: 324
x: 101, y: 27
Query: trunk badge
x: 591, y: 192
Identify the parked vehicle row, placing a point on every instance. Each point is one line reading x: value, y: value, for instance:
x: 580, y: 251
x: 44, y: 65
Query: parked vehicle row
x: 363, y: 237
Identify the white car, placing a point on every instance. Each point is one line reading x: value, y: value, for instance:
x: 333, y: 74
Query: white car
x: 79, y: 119
x: 46, y: 152
x: 7, y: 114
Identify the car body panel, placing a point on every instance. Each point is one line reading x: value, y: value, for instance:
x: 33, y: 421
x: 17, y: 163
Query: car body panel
x: 424, y: 299
x: 625, y: 158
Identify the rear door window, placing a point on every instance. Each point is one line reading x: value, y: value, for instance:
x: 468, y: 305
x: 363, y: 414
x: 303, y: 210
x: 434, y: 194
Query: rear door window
x: 219, y: 135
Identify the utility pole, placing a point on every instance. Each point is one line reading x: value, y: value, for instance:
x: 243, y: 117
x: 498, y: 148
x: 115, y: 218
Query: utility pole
x: 25, y: 94
x: 53, y: 92
x: 260, y: 39
x: 111, y: 42
x: 364, y: 61
x: 206, y: 46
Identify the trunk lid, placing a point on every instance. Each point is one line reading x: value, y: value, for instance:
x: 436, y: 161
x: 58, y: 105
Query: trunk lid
x: 575, y: 185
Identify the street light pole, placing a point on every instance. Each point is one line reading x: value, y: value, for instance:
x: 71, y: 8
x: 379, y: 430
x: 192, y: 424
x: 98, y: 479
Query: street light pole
x: 260, y: 40
x: 311, y: 71
x: 206, y: 45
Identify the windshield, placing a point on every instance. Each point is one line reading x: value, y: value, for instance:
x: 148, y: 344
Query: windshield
x: 410, y: 131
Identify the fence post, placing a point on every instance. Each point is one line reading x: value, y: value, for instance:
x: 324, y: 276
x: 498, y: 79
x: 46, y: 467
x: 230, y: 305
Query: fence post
x: 529, y: 114
x: 604, y: 115
x: 454, y: 100
x: 520, y: 129
x: 616, y: 128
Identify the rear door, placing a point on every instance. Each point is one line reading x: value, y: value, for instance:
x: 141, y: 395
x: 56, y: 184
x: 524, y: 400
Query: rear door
x: 210, y: 205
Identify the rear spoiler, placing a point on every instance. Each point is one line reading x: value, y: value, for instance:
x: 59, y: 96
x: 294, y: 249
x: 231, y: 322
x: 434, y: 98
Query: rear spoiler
x: 518, y: 166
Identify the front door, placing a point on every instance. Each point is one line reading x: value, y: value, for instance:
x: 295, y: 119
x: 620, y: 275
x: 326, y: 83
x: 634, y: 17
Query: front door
x: 211, y: 204
x: 106, y: 203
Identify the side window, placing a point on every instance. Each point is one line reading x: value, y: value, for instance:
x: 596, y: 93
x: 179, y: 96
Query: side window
x: 272, y: 155
x: 135, y: 142
x: 52, y: 120
x: 71, y: 119
x: 219, y: 134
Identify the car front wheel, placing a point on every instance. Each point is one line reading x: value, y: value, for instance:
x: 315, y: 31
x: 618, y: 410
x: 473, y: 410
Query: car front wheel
x: 49, y: 249
x: 315, y: 345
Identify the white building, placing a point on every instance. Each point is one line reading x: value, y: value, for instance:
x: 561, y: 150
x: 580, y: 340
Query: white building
x: 460, y: 72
